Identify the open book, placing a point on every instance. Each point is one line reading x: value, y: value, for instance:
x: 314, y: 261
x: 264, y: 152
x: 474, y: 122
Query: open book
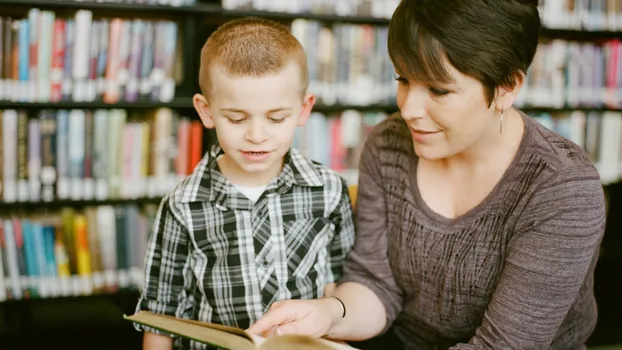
x: 230, y: 337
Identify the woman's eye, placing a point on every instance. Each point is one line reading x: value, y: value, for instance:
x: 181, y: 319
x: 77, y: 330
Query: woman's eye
x: 438, y: 92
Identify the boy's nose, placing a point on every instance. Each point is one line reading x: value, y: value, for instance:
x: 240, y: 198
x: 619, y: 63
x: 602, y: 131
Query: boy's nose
x: 255, y: 133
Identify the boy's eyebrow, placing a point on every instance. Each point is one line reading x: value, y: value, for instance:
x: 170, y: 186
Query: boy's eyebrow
x: 274, y: 110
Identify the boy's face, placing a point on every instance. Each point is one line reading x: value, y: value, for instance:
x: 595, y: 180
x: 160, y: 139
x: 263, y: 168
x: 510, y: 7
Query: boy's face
x: 255, y: 119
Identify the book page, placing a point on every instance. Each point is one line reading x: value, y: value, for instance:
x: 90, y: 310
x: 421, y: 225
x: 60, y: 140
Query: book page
x: 199, y: 331
x: 298, y: 342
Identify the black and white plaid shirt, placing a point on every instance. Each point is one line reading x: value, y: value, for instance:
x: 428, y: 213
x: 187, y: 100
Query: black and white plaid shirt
x: 216, y: 256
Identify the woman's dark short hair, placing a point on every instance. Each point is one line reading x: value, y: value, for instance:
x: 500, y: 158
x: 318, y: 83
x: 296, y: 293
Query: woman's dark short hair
x: 490, y: 40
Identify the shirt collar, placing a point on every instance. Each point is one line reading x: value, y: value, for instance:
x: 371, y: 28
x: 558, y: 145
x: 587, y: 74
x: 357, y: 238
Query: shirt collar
x: 212, y: 186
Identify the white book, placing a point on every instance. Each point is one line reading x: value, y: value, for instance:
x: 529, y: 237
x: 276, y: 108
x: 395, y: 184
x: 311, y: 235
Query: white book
x: 44, y: 59
x: 81, y: 49
x: 9, y: 149
x: 76, y: 153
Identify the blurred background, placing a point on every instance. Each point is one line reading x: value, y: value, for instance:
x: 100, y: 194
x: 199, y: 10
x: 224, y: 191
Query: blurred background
x: 96, y: 124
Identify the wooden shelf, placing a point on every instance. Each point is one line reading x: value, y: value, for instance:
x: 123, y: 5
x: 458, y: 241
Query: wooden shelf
x: 579, y: 34
x: 116, y: 6
x: 178, y: 102
x: 534, y: 109
x: 19, y: 206
x: 292, y: 16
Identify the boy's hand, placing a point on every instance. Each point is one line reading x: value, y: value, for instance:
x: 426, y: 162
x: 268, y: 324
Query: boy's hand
x: 152, y: 341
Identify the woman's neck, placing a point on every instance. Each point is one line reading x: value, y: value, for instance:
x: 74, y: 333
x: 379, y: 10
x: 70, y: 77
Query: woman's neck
x: 494, y: 149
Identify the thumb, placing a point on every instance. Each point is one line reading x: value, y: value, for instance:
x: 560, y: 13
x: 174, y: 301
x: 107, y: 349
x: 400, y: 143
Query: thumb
x: 272, y: 318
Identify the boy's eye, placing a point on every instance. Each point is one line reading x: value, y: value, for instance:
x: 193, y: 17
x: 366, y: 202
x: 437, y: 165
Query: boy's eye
x: 236, y: 121
x: 438, y: 92
x: 277, y: 119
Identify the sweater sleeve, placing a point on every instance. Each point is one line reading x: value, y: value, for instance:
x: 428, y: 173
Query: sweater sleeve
x: 548, y: 259
x: 368, y: 264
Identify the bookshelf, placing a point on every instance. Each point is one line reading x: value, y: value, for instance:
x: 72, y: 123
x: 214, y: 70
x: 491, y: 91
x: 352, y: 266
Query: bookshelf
x: 194, y: 22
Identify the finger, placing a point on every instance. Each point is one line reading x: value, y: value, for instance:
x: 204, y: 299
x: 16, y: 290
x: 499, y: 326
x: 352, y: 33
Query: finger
x: 273, y: 317
x: 275, y: 305
x: 297, y: 327
x: 270, y: 332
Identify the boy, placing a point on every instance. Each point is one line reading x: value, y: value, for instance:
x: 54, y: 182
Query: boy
x: 256, y: 222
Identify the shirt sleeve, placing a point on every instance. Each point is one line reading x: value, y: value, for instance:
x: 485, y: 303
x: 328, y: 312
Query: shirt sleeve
x: 168, y: 280
x: 368, y: 264
x: 343, y: 241
x: 548, y: 259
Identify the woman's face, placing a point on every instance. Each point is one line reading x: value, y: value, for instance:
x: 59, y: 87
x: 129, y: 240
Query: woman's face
x: 446, y: 119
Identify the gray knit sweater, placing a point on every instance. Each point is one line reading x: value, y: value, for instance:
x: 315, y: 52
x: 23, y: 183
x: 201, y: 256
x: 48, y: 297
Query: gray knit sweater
x: 515, y: 272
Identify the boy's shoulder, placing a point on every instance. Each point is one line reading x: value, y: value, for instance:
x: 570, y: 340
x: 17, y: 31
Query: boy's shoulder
x: 315, y: 173
x: 194, y: 186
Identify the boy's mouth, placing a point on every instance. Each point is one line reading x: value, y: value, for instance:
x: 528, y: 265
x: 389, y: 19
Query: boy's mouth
x: 255, y: 156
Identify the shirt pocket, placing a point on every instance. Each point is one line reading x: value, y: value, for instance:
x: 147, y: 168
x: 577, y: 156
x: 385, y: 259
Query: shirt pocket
x: 306, y: 241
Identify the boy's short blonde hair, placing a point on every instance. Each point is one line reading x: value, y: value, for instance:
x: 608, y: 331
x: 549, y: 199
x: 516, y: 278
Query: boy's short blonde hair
x: 251, y: 47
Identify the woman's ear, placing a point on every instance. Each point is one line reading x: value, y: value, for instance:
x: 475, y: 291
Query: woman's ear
x: 505, y: 95
x: 203, y: 109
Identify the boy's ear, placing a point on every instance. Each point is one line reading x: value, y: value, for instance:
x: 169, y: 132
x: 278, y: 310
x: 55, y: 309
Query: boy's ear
x: 505, y: 95
x: 307, y: 106
x: 202, y: 107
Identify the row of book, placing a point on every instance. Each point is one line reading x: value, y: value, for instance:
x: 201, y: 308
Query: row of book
x: 348, y: 63
x: 599, y: 133
x: 45, y: 58
x: 95, y: 154
x: 361, y: 8
x: 113, y: 154
x: 574, y: 74
x: 588, y: 15
x: 591, y: 15
x: 336, y: 139
x: 74, y: 252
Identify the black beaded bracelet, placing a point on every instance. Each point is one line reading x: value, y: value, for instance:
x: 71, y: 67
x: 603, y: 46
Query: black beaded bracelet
x: 343, y: 306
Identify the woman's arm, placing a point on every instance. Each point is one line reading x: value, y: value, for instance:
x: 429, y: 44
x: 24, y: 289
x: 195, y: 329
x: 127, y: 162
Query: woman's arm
x: 367, y: 289
x: 547, y: 262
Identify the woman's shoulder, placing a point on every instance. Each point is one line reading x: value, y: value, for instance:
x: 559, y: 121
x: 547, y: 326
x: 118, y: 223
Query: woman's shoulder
x: 561, y: 156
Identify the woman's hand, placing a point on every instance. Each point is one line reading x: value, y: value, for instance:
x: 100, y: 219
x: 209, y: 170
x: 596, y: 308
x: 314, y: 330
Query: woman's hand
x: 308, y: 317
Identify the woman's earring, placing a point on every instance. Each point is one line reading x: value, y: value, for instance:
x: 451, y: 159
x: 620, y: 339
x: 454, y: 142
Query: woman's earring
x: 501, y: 123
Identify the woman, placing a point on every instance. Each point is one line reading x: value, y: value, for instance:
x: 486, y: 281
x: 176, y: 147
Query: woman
x: 478, y: 228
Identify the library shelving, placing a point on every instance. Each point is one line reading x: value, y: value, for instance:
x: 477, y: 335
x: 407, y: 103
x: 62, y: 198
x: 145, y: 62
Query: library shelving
x: 193, y: 22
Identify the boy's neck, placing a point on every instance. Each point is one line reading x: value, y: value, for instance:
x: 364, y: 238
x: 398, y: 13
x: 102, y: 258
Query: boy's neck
x: 234, y: 174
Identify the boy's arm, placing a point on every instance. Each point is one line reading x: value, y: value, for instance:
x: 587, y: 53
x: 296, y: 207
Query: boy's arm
x: 152, y: 341
x: 343, y: 241
x: 168, y: 275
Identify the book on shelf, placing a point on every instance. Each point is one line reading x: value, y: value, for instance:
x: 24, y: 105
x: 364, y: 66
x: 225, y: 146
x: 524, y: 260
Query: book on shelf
x: 348, y: 63
x: 95, y: 154
x: 47, y: 57
x: 74, y: 252
x: 230, y: 337
x: 590, y: 15
x: 574, y: 74
x: 356, y: 8
x: 598, y: 133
